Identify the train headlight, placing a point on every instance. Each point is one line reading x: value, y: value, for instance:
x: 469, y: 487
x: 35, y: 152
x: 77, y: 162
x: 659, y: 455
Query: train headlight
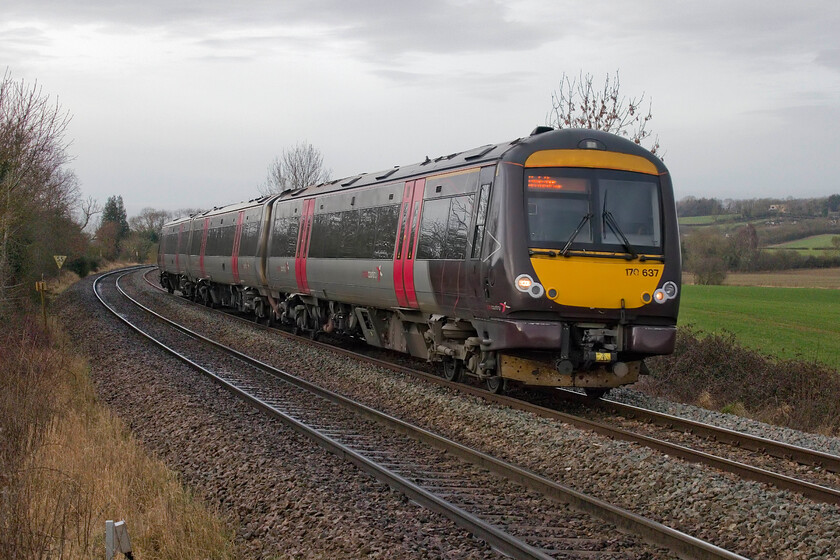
x: 524, y: 282
x: 668, y: 291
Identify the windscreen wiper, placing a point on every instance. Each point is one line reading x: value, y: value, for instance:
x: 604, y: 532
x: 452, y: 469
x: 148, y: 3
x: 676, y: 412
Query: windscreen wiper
x: 582, y: 223
x: 610, y: 220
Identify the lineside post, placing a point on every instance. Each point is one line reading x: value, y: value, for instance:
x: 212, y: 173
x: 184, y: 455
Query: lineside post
x: 116, y: 540
x: 41, y: 287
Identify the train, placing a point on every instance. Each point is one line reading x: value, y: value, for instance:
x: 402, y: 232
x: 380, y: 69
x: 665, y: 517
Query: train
x: 549, y: 260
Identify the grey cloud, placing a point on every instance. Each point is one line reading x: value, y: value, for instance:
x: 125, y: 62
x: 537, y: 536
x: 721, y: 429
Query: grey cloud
x: 474, y: 85
x: 757, y: 28
x: 829, y: 58
x: 21, y: 43
x: 381, y: 30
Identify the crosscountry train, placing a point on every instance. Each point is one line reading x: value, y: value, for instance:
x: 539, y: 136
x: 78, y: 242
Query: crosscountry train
x: 550, y: 260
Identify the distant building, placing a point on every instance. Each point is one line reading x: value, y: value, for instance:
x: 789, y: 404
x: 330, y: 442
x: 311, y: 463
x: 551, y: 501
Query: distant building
x: 779, y: 208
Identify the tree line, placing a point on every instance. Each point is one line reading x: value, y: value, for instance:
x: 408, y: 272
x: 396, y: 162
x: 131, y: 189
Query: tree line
x: 691, y: 206
x: 710, y: 253
x: 39, y: 194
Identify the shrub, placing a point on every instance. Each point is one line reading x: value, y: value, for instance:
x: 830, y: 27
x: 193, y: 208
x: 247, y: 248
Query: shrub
x: 795, y: 393
x: 83, y: 265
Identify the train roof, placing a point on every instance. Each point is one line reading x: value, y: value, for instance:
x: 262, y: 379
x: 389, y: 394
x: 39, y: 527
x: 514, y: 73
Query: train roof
x: 259, y: 201
x: 222, y: 209
x: 177, y: 221
x: 514, y: 151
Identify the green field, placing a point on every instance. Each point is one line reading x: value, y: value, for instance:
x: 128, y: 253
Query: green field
x: 708, y: 220
x: 799, y: 323
x: 816, y: 244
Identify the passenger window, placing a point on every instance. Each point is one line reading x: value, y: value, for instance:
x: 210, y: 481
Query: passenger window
x: 367, y: 233
x: 433, y: 229
x: 460, y: 213
x: 386, y: 231
x: 444, y: 228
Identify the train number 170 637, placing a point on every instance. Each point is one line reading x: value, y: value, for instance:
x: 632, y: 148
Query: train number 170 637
x: 648, y: 272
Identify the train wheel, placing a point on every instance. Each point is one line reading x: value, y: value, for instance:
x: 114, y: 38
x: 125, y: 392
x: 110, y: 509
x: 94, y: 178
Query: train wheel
x: 595, y: 392
x: 496, y: 384
x: 453, y: 370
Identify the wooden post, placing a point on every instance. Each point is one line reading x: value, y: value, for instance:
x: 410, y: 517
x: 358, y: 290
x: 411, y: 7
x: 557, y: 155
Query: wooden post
x: 42, y: 287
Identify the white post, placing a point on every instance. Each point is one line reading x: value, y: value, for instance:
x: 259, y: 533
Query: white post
x: 109, y: 540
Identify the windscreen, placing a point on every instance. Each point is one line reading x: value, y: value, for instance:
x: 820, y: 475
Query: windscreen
x: 595, y: 209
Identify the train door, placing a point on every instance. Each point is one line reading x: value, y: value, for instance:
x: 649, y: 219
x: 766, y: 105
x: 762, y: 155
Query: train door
x: 477, y: 268
x: 179, y: 248
x: 302, y: 250
x: 407, y: 234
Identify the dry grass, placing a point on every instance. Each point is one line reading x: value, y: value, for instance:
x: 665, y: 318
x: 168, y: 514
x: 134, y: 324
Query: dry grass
x: 68, y: 465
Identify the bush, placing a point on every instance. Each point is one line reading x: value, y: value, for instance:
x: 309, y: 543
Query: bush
x: 705, y: 255
x: 798, y: 394
x: 82, y: 265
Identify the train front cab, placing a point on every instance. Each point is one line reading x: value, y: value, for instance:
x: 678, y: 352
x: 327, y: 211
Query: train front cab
x: 585, y: 281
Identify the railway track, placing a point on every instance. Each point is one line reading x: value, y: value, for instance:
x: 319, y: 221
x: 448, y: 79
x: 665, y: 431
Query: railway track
x: 519, y: 512
x: 730, y: 451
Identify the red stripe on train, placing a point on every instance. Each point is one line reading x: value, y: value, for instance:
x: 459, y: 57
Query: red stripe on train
x: 237, y: 241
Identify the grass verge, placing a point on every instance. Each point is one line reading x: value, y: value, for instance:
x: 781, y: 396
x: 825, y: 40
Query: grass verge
x: 67, y: 464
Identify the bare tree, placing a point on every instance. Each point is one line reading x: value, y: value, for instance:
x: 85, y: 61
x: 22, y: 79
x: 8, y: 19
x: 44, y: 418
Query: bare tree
x: 577, y: 103
x: 107, y: 239
x: 88, y: 209
x: 32, y: 179
x: 149, y: 223
x: 295, y: 168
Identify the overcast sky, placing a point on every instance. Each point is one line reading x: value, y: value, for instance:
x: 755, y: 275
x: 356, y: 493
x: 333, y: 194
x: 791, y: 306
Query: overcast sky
x: 185, y: 103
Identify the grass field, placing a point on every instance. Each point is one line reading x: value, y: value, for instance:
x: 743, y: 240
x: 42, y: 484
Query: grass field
x: 786, y: 322
x: 708, y: 220
x: 816, y: 244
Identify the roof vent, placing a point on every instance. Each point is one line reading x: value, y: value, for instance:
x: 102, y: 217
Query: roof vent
x: 541, y: 129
